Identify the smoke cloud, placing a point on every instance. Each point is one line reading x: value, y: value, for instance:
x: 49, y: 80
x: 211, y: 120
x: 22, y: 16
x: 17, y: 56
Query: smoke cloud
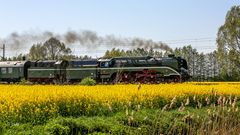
x: 88, y: 39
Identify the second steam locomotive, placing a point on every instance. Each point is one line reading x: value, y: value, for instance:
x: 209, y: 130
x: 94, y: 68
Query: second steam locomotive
x: 119, y: 69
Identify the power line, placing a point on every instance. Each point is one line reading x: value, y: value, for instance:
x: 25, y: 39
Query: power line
x: 100, y: 51
x: 197, y: 41
x: 133, y: 41
x: 204, y: 38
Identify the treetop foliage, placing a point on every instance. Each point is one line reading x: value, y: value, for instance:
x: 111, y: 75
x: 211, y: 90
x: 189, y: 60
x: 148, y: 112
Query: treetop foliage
x: 51, y: 49
x: 228, y: 45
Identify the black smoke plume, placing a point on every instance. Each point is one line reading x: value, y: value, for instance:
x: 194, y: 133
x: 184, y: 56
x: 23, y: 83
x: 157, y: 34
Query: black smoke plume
x: 89, y: 39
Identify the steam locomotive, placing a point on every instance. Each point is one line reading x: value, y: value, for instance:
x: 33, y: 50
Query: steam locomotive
x: 118, y: 69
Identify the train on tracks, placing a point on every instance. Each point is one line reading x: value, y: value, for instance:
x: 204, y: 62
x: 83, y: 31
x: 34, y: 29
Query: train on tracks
x: 118, y: 69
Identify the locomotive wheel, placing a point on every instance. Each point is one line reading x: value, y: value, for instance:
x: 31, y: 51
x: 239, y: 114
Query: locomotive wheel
x: 174, y: 78
x: 122, y: 77
x: 141, y: 80
x: 114, y: 78
x: 146, y: 76
x: 153, y: 79
x: 131, y: 77
x: 177, y: 79
x: 126, y: 78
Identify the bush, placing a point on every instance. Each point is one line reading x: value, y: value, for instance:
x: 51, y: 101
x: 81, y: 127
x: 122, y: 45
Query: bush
x: 57, y: 129
x: 84, y: 125
x: 23, y: 81
x: 88, y: 81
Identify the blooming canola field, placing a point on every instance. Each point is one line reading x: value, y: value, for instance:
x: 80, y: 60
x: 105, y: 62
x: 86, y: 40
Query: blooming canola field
x: 38, y: 103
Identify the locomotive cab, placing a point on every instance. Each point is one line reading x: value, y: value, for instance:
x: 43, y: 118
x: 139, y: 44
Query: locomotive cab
x: 105, y: 63
x: 104, y: 69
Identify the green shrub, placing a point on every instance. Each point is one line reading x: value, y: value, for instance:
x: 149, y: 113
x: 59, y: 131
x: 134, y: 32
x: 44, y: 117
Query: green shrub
x: 2, y: 128
x: 88, y: 81
x: 23, y: 81
x: 23, y: 129
x: 57, y: 129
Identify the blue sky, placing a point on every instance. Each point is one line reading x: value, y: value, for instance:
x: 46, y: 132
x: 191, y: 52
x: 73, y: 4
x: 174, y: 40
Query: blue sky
x: 150, y: 19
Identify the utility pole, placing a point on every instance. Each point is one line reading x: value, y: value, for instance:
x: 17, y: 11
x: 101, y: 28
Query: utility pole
x: 3, y: 48
x: 193, y: 75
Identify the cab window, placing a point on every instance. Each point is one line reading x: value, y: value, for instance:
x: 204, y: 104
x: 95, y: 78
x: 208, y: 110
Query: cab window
x: 104, y: 64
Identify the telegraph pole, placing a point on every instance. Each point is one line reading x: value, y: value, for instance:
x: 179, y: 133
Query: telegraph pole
x: 193, y: 65
x: 3, y: 48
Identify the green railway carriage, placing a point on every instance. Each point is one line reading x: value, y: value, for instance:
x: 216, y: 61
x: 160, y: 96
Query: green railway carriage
x: 13, y: 71
x: 48, y: 71
x: 79, y: 69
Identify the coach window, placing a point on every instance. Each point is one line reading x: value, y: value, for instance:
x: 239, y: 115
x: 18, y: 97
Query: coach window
x: 4, y: 70
x: 10, y: 70
x: 20, y: 70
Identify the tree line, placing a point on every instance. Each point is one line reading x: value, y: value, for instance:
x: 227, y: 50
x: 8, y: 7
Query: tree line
x: 222, y: 64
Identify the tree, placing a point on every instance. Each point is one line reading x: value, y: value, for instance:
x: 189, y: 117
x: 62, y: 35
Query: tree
x: 114, y: 53
x: 19, y: 57
x: 213, y: 66
x: 51, y: 49
x: 132, y: 53
x: 56, y: 49
x: 37, y: 51
x: 191, y: 56
x: 228, y: 42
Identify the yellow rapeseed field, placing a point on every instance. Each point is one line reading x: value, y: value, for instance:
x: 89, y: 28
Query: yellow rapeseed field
x: 38, y: 102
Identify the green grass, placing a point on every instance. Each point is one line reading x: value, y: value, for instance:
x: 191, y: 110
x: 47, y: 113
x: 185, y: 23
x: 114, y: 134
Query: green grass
x: 146, y: 121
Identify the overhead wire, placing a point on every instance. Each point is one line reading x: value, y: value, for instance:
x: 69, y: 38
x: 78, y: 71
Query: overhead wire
x: 167, y: 42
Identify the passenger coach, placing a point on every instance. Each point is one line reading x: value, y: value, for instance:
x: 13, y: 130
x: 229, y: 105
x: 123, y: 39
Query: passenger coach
x: 13, y: 71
